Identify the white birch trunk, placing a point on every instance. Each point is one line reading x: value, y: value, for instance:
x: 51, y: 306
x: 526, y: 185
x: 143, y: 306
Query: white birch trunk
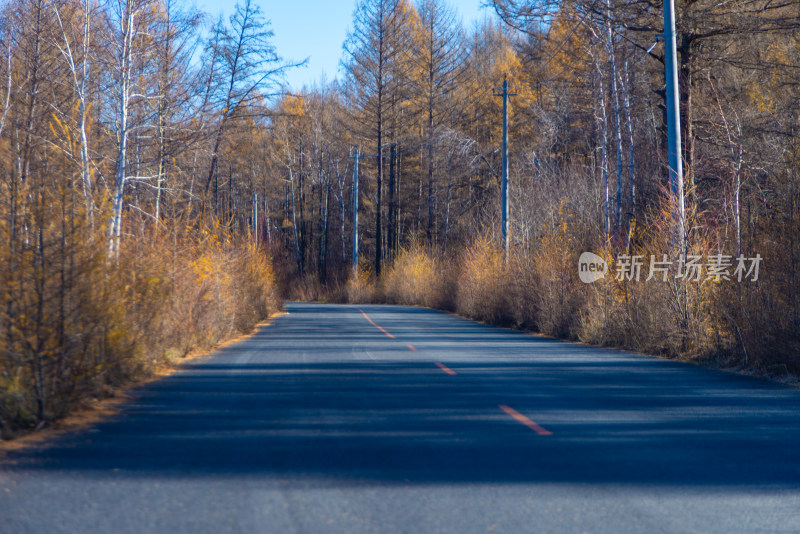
x: 604, y: 150
x: 294, y: 222
x: 79, y: 83
x: 7, y: 103
x: 115, y: 229
x: 612, y: 64
x: 626, y: 100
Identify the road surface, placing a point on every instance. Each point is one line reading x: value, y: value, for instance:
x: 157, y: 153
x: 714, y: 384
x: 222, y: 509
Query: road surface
x: 351, y: 419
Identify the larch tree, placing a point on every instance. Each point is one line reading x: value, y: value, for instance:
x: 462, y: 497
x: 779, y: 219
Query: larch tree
x: 441, y: 58
x: 372, y: 48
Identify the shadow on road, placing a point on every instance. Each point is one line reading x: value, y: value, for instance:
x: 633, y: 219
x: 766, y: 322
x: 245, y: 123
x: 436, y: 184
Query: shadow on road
x: 628, y: 422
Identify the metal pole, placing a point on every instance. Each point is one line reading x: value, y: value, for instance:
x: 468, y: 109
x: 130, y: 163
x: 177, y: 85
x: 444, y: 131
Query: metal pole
x: 255, y: 217
x: 505, y: 168
x: 504, y: 178
x: 355, y: 211
x: 673, y: 116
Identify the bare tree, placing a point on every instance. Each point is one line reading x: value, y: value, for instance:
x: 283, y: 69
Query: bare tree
x: 243, y: 68
x: 79, y: 69
x: 174, y: 93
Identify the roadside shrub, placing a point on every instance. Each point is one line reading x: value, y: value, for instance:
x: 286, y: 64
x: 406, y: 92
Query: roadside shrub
x: 747, y: 323
x: 559, y: 294
x: 523, y: 289
x: 416, y: 277
x: 666, y: 315
x: 482, y: 288
x: 361, y: 288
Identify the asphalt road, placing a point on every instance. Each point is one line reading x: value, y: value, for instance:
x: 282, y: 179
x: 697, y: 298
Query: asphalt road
x: 407, y: 420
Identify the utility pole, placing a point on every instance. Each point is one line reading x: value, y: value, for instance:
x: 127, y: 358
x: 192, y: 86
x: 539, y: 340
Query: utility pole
x: 266, y: 213
x: 355, y: 211
x: 673, y: 117
x: 255, y: 217
x: 356, y: 157
x: 504, y: 179
x: 390, y: 230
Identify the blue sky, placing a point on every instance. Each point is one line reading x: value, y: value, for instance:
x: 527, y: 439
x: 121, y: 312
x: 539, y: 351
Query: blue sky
x: 317, y: 29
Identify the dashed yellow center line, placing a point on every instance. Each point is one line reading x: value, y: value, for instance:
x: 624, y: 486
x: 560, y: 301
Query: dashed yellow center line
x: 525, y: 421
x: 446, y: 369
x: 507, y: 409
x: 410, y: 347
x: 533, y: 425
x: 375, y: 325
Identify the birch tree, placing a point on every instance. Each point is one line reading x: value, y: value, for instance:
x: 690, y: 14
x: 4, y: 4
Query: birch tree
x: 129, y: 55
x: 79, y: 69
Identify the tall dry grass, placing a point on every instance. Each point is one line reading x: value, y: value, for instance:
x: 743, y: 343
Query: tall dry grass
x: 482, y: 288
x: 417, y: 277
x: 362, y: 287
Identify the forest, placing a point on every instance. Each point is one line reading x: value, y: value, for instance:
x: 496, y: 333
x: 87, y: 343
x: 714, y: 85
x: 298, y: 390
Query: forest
x: 162, y: 190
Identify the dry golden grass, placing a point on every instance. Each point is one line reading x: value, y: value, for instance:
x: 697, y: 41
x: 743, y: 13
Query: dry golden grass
x: 418, y: 278
x: 362, y: 288
x: 482, y: 286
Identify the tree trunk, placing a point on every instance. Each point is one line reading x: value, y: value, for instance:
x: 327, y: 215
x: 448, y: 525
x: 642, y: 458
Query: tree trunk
x: 612, y: 65
x: 115, y: 229
x: 604, y: 149
x: 294, y: 224
x: 626, y: 99
x: 390, y: 229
